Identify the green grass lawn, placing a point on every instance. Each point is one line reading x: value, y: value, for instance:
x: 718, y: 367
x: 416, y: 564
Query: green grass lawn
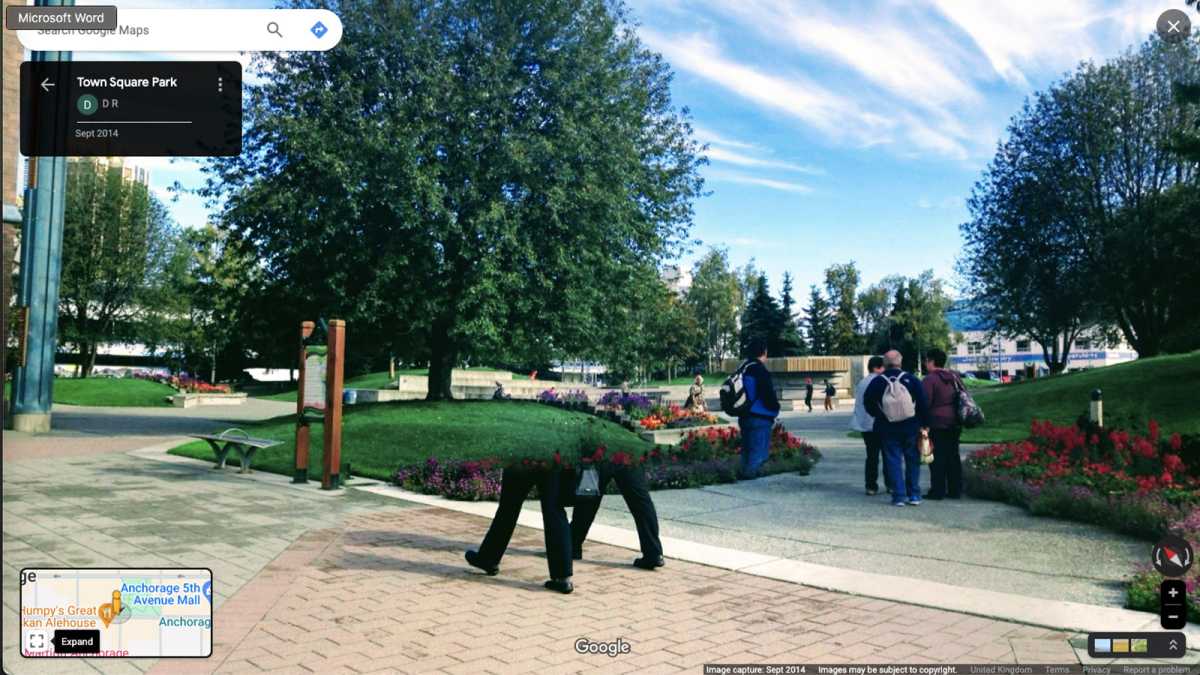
x: 379, y: 438
x: 1162, y: 388
x: 286, y: 391
x: 106, y: 391
x: 976, y: 383
x: 710, y: 380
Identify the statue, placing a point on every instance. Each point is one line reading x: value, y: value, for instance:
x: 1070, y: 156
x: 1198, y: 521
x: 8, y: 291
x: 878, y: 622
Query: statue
x: 695, y: 401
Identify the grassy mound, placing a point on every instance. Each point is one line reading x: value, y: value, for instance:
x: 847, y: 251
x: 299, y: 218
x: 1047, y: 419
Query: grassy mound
x: 106, y: 391
x: 377, y: 439
x: 1161, y: 388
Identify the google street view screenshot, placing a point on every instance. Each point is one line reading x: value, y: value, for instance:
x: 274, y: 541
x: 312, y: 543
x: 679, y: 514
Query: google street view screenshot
x: 754, y: 337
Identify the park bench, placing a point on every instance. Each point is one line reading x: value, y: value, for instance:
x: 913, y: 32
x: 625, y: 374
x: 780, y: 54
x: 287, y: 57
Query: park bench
x: 238, y: 441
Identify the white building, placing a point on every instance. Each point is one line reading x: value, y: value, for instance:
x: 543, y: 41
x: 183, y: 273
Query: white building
x: 982, y: 352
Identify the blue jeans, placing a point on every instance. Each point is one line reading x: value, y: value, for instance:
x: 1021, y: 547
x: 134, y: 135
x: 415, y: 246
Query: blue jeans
x: 902, y: 462
x: 756, y: 444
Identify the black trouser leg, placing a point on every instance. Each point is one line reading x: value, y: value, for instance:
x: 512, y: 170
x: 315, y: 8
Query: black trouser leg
x: 874, y: 452
x: 946, y: 471
x: 632, y: 482
x: 554, y: 522
x: 515, y: 485
x: 946, y: 452
x: 584, y: 513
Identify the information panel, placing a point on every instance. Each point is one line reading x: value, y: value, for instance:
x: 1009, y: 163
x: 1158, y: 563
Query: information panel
x: 131, y: 108
x: 127, y: 612
x: 314, y: 377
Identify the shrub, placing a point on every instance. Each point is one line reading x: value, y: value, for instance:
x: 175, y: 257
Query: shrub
x: 704, y: 457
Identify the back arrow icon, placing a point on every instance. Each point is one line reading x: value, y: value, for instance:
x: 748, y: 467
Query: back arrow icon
x: 46, y: 84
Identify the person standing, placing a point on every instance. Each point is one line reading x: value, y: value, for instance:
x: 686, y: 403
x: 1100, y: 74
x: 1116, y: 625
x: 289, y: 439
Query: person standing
x: 941, y: 388
x: 515, y: 484
x: 865, y: 424
x: 631, y: 480
x: 829, y: 393
x: 808, y: 393
x: 897, y: 401
x: 759, y: 418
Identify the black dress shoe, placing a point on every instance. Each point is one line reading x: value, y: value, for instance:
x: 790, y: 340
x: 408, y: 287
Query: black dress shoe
x: 473, y: 561
x: 649, y: 564
x: 936, y: 498
x: 563, y: 586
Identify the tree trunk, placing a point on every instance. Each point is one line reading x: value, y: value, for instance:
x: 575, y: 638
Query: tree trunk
x: 442, y: 355
x: 87, y: 358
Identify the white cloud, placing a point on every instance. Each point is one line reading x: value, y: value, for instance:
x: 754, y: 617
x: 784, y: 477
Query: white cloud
x: 781, y: 185
x: 1020, y: 37
x: 919, y: 66
x: 794, y: 94
x: 707, y: 135
x: 719, y: 154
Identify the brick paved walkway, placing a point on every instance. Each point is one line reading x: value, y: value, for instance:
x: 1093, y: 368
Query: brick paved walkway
x: 390, y: 593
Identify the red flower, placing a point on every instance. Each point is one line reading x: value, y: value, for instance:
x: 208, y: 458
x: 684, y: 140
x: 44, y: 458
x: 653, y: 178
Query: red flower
x: 1176, y: 441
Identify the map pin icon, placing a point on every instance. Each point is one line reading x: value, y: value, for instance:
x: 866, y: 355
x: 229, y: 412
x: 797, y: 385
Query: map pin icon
x: 106, y: 614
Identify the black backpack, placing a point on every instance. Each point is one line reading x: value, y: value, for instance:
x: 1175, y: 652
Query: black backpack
x: 734, y: 400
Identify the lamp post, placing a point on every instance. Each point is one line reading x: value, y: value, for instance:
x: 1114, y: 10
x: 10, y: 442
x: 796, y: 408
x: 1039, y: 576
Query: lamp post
x: 1096, y: 408
x: 41, y: 266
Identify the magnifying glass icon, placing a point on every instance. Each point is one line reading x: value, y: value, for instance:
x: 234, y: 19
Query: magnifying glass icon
x: 273, y: 28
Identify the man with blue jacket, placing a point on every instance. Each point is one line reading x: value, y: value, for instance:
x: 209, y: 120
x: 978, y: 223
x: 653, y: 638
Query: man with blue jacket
x: 759, y: 419
x: 897, y: 401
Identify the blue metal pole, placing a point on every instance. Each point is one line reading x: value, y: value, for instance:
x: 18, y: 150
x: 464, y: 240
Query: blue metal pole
x: 41, y: 266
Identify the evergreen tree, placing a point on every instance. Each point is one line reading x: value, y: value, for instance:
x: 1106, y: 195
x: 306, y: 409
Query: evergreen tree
x: 763, y: 319
x: 819, y: 322
x: 791, y: 340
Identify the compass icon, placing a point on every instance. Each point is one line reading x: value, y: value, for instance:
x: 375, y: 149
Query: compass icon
x: 1172, y: 556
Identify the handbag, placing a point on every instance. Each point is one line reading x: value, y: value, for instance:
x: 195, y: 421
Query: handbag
x: 925, y: 447
x: 587, y: 483
x: 966, y: 410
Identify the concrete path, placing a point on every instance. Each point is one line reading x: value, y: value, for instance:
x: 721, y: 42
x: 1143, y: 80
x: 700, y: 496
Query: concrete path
x: 826, y: 519
x: 87, y: 430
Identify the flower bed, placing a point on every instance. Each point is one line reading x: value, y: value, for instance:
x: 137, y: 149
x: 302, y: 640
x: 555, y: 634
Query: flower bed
x: 1141, y: 484
x: 636, y: 406
x: 675, y: 417
x: 703, y: 458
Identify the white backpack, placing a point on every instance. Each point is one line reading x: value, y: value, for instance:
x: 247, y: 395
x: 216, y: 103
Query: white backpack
x: 897, y: 403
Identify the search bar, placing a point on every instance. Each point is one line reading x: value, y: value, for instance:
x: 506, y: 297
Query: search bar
x: 198, y: 30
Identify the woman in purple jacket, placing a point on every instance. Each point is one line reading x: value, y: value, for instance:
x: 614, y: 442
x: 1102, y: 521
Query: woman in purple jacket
x: 941, y: 388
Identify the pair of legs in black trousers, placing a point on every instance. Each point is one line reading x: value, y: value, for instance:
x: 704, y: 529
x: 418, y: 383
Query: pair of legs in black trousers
x: 874, y: 443
x: 515, y: 485
x: 631, y: 480
x: 946, y: 471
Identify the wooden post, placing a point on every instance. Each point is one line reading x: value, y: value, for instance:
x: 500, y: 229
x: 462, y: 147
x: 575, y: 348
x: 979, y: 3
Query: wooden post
x: 302, y: 439
x: 334, y: 367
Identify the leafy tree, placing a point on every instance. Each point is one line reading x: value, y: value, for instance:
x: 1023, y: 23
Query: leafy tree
x: 115, y: 234
x: 1141, y: 185
x: 819, y: 322
x: 875, y: 311
x: 209, y: 282
x: 791, y: 340
x: 841, y: 284
x: 1026, y: 259
x: 1070, y: 229
x: 715, y: 298
x: 918, y: 320
x: 462, y: 178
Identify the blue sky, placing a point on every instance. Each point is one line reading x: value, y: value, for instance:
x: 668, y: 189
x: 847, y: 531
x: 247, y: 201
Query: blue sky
x: 840, y: 130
